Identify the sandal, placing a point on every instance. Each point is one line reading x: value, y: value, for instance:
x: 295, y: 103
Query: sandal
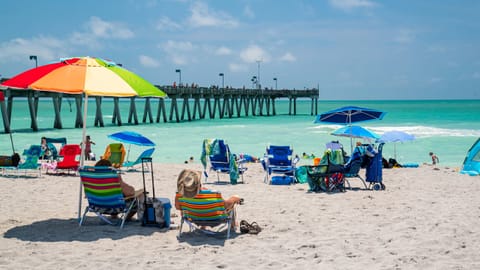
x: 252, y: 228
x: 244, y: 226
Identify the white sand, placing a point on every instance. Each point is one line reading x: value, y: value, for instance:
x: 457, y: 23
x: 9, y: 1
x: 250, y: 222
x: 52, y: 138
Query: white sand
x: 425, y: 219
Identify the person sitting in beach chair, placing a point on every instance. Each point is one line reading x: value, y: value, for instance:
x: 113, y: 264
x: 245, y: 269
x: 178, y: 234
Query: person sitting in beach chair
x: 107, y: 193
x: 203, y: 209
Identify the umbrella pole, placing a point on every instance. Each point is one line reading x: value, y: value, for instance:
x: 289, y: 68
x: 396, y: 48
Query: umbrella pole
x: 351, y: 145
x: 128, y: 152
x: 11, y: 140
x: 351, y: 138
x: 82, y: 154
x: 395, y: 150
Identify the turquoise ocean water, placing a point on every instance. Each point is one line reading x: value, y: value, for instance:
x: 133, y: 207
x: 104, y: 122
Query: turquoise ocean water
x: 446, y: 127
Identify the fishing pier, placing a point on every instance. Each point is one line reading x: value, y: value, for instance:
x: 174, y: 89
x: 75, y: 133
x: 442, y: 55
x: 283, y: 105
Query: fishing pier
x: 185, y: 104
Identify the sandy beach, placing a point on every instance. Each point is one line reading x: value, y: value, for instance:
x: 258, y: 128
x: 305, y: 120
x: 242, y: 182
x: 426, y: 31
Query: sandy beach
x: 425, y: 219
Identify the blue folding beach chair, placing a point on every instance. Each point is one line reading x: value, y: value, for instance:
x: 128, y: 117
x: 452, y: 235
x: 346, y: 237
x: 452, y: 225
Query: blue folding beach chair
x: 145, y: 154
x: 221, y: 160
x: 279, y: 160
x: 31, y: 164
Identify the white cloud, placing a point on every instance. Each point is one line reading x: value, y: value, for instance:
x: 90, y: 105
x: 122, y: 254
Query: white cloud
x: 347, y: 5
x: 223, y: 51
x: 175, y: 46
x: 166, y: 23
x: 49, y: 48
x: 203, y: 17
x: 148, y: 61
x: 288, y: 57
x: 234, y: 67
x: 104, y: 29
x: 84, y: 39
x: 179, y: 59
x: 254, y: 53
x: 98, y: 29
x: 45, y: 48
x: 404, y: 36
x: 247, y: 11
x: 179, y: 52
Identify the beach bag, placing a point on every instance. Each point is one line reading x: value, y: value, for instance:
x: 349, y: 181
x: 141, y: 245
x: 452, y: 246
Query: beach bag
x: 282, y: 180
x: 151, y: 213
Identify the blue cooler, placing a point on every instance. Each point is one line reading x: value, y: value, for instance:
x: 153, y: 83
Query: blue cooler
x: 166, y: 210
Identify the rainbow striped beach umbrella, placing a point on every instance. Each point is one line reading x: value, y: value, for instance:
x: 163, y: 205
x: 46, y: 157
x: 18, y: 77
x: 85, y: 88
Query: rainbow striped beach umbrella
x: 88, y: 76
x: 85, y: 75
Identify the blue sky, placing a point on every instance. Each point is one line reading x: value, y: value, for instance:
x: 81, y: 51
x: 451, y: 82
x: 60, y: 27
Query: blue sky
x: 351, y: 49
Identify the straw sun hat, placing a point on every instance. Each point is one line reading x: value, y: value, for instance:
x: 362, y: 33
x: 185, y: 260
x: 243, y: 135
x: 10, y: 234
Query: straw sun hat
x: 188, y: 183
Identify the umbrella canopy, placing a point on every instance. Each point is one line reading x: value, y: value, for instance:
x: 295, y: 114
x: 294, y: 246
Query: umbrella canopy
x: 355, y: 132
x: 131, y: 137
x: 84, y: 75
x: 348, y: 115
x: 395, y: 136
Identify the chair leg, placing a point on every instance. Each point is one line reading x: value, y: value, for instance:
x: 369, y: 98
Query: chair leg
x: 266, y: 179
x: 231, y: 218
x: 102, y: 217
x: 348, y: 182
x: 180, y: 228
x: 126, y: 214
x: 83, y: 216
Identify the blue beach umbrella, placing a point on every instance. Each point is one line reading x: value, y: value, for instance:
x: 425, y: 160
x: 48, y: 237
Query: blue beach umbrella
x: 395, y: 136
x: 131, y: 137
x: 355, y: 132
x: 348, y: 115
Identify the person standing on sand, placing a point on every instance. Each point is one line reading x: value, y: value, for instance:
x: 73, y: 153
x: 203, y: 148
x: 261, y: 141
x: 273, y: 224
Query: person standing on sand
x: 88, y: 149
x: 435, y: 159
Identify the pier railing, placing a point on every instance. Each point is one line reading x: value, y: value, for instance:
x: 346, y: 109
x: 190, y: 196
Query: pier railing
x: 211, y: 102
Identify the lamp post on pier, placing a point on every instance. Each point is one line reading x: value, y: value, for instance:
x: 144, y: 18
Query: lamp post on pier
x: 179, y: 71
x: 223, y: 79
x: 258, y: 73
x: 254, y: 81
x: 275, y: 79
x: 34, y: 57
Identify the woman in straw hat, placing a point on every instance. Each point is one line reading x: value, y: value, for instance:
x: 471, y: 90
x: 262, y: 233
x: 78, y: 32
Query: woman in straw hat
x: 189, y: 185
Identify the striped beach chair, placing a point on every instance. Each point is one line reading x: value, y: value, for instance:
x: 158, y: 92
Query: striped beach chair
x: 206, y: 212
x: 104, y: 194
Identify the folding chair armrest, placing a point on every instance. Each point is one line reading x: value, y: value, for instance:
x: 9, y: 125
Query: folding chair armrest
x: 137, y: 193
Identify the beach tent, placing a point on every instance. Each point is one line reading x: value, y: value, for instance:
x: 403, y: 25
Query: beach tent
x: 471, y: 164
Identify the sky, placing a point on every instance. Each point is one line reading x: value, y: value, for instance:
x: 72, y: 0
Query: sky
x: 349, y: 49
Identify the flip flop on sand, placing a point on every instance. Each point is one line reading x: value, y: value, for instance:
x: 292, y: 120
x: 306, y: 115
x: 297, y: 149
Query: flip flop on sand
x: 252, y: 228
